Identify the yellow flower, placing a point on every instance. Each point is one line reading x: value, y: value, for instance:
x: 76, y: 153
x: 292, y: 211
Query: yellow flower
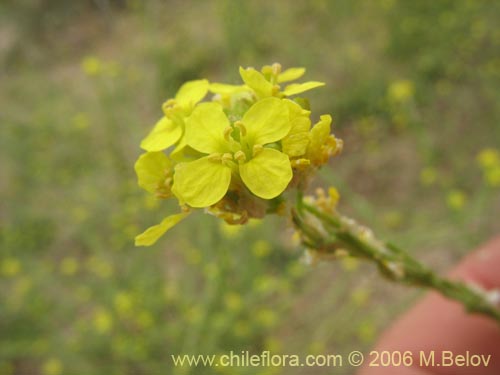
x: 428, y: 176
x: 401, y: 91
x: 233, y: 301
x: 456, y: 199
x: 155, y: 173
x: 323, y: 145
x: 10, y: 267
x: 169, y: 130
x: 488, y: 158
x: 261, y: 248
x: 52, y: 366
x: 123, y: 303
x: 92, y: 66
x: 236, y: 149
x: 266, y: 83
x: 103, y: 321
x: 69, y: 266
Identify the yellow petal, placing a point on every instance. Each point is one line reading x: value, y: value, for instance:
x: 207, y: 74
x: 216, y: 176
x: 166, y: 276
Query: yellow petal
x: 152, y: 234
x: 321, y: 131
x: 295, y: 144
x: 297, y: 88
x: 205, y: 128
x: 151, y: 169
x: 291, y: 74
x: 164, y: 134
x: 295, y: 110
x: 192, y: 92
x: 267, y: 174
x: 266, y: 121
x: 202, y: 182
x: 257, y: 82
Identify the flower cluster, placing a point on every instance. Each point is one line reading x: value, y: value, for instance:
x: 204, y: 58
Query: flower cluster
x: 236, y: 154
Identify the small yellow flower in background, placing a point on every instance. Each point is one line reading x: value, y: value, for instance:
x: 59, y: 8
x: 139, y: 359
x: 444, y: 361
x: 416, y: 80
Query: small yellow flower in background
x: 428, y: 176
x: 401, y: 91
x: 488, y: 158
x: 92, y: 66
x: 261, y: 248
x: 10, y: 267
x: 52, y: 366
x: 273, y: 344
x: 266, y: 317
x: 489, y: 161
x: 80, y: 121
x: 123, y: 302
x: 265, y: 284
x: 230, y: 231
x: 102, y: 321
x: 80, y: 214
x: 69, y: 266
x: 367, y: 331
x: 456, y: 199
x: 233, y: 301
x: 492, y: 177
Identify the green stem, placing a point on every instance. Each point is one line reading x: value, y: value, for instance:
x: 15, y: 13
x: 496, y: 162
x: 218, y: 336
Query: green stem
x: 327, y: 233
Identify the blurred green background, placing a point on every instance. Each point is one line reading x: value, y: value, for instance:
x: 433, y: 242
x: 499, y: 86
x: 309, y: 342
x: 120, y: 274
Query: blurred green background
x: 413, y: 89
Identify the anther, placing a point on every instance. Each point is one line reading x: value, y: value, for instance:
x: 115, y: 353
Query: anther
x: 240, y: 156
x: 216, y: 157
x: 226, y: 157
x: 239, y: 125
x: 168, y: 104
x: 227, y: 133
x: 257, y: 149
x: 276, y: 68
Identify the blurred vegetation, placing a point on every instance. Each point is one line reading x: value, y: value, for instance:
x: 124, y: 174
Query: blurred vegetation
x: 412, y: 85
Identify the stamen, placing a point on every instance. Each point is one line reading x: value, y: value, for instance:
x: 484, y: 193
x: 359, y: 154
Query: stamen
x: 227, y: 157
x: 275, y: 90
x: 239, y: 125
x: 240, y: 156
x: 168, y: 104
x: 257, y: 149
x: 296, y: 163
x: 227, y: 133
x: 276, y: 68
x: 215, y: 157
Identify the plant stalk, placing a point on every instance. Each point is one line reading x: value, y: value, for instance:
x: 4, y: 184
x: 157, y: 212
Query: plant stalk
x: 330, y: 234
